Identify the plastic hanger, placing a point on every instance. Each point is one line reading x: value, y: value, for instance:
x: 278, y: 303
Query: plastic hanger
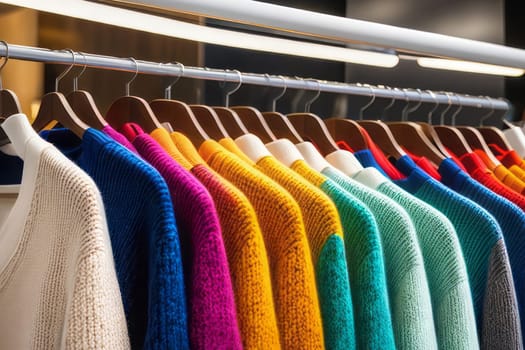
x: 178, y: 115
x: 132, y: 109
x: 310, y: 126
x: 451, y: 138
x: 83, y: 104
x: 380, y: 132
x: 412, y: 136
x: 54, y: 107
x: 278, y: 123
x: 9, y: 103
x: 492, y: 134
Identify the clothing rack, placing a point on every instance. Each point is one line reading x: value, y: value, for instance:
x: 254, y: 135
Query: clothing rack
x: 66, y: 57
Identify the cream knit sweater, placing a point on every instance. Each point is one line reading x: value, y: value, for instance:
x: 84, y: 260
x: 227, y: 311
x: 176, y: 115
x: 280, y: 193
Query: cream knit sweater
x: 58, y: 287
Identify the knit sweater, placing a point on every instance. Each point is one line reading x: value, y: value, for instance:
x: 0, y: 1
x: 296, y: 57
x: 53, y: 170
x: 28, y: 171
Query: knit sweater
x: 115, y: 135
x: 485, y: 253
x: 244, y: 245
x: 479, y: 172
x: 211, y: 305
x: 373, y: 323
x: 291, y: 268
x: 58, y: 286
x: 510, y: 218
x: 410, y: 304
x: 143, y: 234
x: 444, y: 264
x: 325, y: 238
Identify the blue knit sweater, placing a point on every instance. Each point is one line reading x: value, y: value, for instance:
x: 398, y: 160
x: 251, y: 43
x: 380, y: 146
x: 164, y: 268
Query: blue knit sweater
x: 510, y: 218
x: 143, y: 235
x: 485, y: 253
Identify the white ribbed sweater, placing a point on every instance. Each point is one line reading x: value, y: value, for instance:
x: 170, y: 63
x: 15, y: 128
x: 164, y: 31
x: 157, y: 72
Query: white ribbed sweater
x: 58, y: 287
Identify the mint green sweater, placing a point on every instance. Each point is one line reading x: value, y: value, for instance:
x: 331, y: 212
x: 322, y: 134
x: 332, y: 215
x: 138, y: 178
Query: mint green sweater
x: 446, y: 271
x: 408, y: 289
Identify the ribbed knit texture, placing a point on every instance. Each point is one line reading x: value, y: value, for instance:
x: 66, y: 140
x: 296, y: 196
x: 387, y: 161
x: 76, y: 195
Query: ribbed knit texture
x: 446, y: 271
x: 143, y: 235
x: 291, y: 268
x: 424, y: 164
x: 411, y: 309
x: 510, y: 218
x: 211, y: 306
x: 115, y: 135
x: 325, y: 237
x: 244, y: 246
x: 485, y: 254
x: 509, y: 179
x: 478, y: 171
x: 58, y: 287
x: 366, y: 269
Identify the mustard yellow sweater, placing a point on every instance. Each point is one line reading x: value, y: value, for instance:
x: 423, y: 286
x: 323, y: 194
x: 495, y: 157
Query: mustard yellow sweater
x: 291, y: 268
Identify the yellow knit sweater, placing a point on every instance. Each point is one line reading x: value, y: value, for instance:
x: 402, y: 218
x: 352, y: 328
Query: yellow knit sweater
x: 244, y: 245
x: 291, y: 267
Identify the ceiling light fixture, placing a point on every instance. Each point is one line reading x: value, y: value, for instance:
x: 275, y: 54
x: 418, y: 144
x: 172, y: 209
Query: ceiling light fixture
x: 468, y: 66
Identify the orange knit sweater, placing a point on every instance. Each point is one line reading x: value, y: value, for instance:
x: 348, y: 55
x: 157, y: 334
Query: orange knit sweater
x: 291, y: 267
x: 244, y: 245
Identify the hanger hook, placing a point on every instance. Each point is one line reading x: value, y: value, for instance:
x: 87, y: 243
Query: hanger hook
x: 416, y: 107
x: 229, y: 93
x: 128, y: 84
x: 63, y: 74
x: 486, y: 116
x: 75, y: 79
x: 6, y: 58
x: 453, y: 118
x: 362, y: 109
x: 449, y: 104
x: 392, y: 101
x: 281, y: 94
x: 309, y: 103
x: 167, y: 90
x: 429, y: 116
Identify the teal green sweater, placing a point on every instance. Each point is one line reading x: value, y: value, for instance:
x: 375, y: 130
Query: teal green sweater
x: 445, y: 267
x: 408, y: 289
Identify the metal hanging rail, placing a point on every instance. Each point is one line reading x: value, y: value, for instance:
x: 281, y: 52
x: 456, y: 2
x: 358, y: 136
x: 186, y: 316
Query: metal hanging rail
x: 256, y: 13
x: 126, y: 64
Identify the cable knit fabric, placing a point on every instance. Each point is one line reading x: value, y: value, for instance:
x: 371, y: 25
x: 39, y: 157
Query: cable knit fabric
x: 510, y: 218
x: 373, y: 323
x: 58, y: 286
x: 143, y: 234
x: 325, y: 237
x: 211, y: 305
x: 479, y: 172
x: 446, y: 271
x: 244, y: 245
x: 410, y: 304
x: 488, y: 265
x: 291, y: 268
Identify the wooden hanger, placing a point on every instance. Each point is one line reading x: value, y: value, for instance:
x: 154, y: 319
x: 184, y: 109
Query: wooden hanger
x: 476, y: 141
x: 309, y: 126
x: 84, y: 106
x: 451, y: 137
x: 492, y: 134
x: 231, y: 122
x: 179, y: 115
x: 55, y: 108
x: 347, y: 130
x: 411, y: 136
x: 278, y: 123
x: 210, y: 122
x: 380, y: 132
x: 132, y: 109
x: 9, y: 103
x: 254, y: 121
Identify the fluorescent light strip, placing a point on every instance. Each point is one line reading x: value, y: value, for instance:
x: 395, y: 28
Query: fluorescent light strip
x: 467, y: 66
x: 168, y: 27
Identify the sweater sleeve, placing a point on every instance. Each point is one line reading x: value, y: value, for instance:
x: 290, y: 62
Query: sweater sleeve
x: 501, y: 320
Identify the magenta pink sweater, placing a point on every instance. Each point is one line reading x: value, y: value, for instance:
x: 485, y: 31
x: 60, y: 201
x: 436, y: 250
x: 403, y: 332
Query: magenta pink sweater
x: 211, y: 315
